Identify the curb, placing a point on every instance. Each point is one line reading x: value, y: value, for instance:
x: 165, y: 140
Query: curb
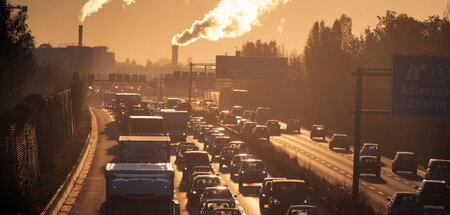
x: 57, y: 201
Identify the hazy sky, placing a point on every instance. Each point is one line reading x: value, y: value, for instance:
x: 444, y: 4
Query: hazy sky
x: 144, y: 30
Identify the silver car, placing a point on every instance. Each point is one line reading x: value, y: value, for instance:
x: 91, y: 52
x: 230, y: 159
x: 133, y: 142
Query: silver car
x: 405, y: 203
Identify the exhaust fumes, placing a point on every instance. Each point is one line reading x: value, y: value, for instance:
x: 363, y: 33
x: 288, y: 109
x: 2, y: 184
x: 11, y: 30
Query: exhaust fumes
x: 92, y: 6
x: 230, y: 18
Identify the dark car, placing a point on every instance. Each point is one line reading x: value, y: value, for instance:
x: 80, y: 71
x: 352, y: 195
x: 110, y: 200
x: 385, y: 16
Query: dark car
x: 274, y: 127
x: 264, y: 192
x: 202, y: 131
x: 339, y: 140
x: 195, y: 174
x: 251, y: 170
x: 405, y: 161
x: 293, y: 125
x: 183, y: 144
x: 405, y: 203
x: 226, y: 155
x: 199, y: 184
x: 369, y: 164
x: 302, y: 210
x: 211, y: 205
x: 230, y: 119
x: 438, y: 169
x: 261, y: 132
x: 192, y: 159
x: 211, y: 139
x: 248, y: 128
x: 239, y: 145
x: 218, y: 144
x: 287, y: 192
x: 237, y: 161
x: 433, y: 192
x: 217, y: 193
x: 241, y: 124
x: 371, y: 149
x: 226, y: 211
x: 237, y: 110
x: 247, y: 114
x: 222, y: 115
x: 180, y: 155
x: 318, y: 131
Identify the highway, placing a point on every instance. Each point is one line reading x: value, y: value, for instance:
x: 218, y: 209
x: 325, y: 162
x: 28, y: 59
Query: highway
x: 336, y: 165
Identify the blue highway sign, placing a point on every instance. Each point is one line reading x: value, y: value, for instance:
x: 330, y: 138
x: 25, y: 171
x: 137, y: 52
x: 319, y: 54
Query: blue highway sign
x: 421, y: 85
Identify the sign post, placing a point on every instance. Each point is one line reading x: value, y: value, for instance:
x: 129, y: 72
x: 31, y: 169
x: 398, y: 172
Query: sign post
x: 421, y: 85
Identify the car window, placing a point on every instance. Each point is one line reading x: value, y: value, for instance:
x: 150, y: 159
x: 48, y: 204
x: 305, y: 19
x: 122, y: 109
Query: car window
x: 407, y: 198
x: 443, y: 166
x: 303, y: 211
x: 214, y: 205
x: 251, y: 165
x: 372, y: 148
x: 206, y: 181
x: 289, y: 187
x: 227, y: 213
x: 219, y: 193
x: 369, y: 160
x: 406, y: 157
x: 434, y: 187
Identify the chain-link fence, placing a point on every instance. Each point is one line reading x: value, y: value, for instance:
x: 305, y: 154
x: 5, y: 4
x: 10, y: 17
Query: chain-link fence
x: 30, y: 135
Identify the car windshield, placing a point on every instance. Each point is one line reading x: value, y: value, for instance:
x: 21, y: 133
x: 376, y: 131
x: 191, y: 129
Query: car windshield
x: 261, y: 129
x: 227, y: 213
x: 228, y: 151
x: 210, y: 182
x: 371, y: 147
x: 253, y: 165
x: 293, y: 122
x: 213, y: 205
x: 435, y: 187
x: 408, y: 198
x: 441, y: 165
x: 369, y: 160
x: 197, y: 158
x: 303, y: 211
x: 218, y: 193
x: 289, y: 187
x: 406, y: 157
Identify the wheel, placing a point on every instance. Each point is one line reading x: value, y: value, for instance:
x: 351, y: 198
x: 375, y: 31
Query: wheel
x: 394, y: 170
x: 347, y: 148
x: 240, y: 183
x: 220, y: 167
x: 299, y: 131
x: 331, y: 147
x: 378, y: 174
x: 323, y: 138
x: 311, y: 137
x: 414, y: 172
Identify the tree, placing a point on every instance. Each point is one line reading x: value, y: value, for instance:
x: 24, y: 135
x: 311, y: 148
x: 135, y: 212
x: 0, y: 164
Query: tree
x: 262, y: 49
x: 17, y: 62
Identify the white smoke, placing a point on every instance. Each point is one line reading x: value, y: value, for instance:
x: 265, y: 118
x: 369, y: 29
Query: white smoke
x: 93, y: 6
x: 230, y: 18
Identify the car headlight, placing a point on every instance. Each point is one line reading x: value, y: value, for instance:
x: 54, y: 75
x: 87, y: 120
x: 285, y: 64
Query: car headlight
x: 185, y: 168
x: 233, y: 164
x: 194, y: 192
x: 184, y: 133
x: 167, y: 134
x: 263, y: 195
x: 263, y: 172
x: 215, y: 146
x: 242, y: 171
x: 223, y: 158
x: 276, y: 201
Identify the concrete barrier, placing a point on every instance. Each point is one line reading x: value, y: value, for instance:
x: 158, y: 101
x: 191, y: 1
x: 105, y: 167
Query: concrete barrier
x: 57, y: 201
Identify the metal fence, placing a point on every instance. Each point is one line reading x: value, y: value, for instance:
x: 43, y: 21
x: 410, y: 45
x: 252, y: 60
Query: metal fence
x: 30, y: 135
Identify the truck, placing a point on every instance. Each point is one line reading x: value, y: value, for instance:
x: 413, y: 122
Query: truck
x: 145, y: 126
x: 233, y: 97
x: 140, y: 188
x: 175, y: 124
x: 262, y: 115
x: 147, y: 149
x: 172, y: 102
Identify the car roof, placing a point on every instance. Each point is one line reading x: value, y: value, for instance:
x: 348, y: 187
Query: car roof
x: 249, y: 122
x: 243, y: 155
x: 433, y: 181
x: 302, y: 206
x: 406, y: 193
x: 218, y: 188
x: 340, y: 135
x: 196, y: 152
x: 252, y: 160
x: 371, y: 144
x: 207, y: 176
x: 261, y: 126
x: 405, y: 153
x: 271, y: 179
x: 289, y: 181
x: 368, y: 156
x: 226, y: 209
x: 318, y: 125
x: 237, y: 141
x: 438, y: 160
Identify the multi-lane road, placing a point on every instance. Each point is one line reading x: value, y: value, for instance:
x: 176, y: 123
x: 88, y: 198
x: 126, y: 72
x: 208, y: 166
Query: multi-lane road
x: 89, y: 193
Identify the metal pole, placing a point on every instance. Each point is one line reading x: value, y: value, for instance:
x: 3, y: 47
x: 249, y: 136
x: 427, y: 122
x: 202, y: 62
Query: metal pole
x: 160, y: 88
x: 190, y: 82
x: 154, y: 89
x: 358, y: 110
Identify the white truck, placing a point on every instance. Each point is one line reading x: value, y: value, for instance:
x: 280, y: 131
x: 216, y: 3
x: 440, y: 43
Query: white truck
x: 140, y: 188
x: 175, y: 124
x: 146, y: 149
x: 145, y: 126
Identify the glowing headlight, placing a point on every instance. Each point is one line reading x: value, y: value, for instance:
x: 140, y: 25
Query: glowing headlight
x: 167, y: 134
x: 242, y: 171
x: 194, y: 192
x: 223, y: 158
x: 263, y: 195
x: 276, y: 201
x: 264, y: 172
x: 184, y: 133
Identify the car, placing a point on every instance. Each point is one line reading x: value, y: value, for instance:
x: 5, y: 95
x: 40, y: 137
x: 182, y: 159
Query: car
x: 183, y: 144
x: 239, y: 145
x: 405, y: 203
x: 213, y: 111
x: 193, y: 175
x: 339, y: 140
x: 193, y: 121
x: 293, y: 125
x: 222, y: 115
x: 192, y: 159
x: 302, y: 210
x: 237, y: 161
x: 251, y: 170
x: 213, y: 204
x: 371, y: 149
x: 237, y: 110
x: 318, y: 131
x: 241, y: 124
x: 438, y: 169
x: 196, y: 170
x: 220, y: 192
x: 405, y: 161
x: 199, y: 184
x: 208, y: 143
x: 196, y: 127
x: 274, y: 127
x: 180, y: 155
x: 226, y: 155
x: 434, y: 192
x: 230, y: 119
x: 369, y: 164
x: 248, y: 128
x: 211, y: 132
x: 287, y: 192
x: 247, y: 114
x: 264, y: 192
x: 262, y: 115
x: 261, y: 132
x: 202, y: 131
x: 218, y: 143
x: 226, y: 211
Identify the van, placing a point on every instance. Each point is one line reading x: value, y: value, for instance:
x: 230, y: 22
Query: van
x: 262, y: 115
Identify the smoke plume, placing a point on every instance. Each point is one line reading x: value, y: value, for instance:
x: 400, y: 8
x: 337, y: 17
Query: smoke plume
x: 93, y: 6
x: 230, y: 18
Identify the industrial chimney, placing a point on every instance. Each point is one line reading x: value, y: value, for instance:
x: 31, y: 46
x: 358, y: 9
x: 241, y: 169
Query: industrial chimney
x: 174, y: 55
x: 80, y: 35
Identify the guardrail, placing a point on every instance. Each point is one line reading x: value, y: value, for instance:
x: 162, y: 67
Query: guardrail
x: 57, y: 201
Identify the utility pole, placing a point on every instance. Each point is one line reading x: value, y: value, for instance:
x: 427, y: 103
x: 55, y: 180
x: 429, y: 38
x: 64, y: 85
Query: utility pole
x: 357, y: 142
x: 190, y: 82
x: 160, y: 88
x: 154, y: 89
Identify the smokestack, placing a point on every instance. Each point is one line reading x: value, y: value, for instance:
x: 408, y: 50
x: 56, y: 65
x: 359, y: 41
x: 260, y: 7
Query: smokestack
x: 174, y: 55
x: 80, y: 35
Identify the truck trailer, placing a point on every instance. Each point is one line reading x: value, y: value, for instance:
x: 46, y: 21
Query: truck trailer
x: 147, y: 149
